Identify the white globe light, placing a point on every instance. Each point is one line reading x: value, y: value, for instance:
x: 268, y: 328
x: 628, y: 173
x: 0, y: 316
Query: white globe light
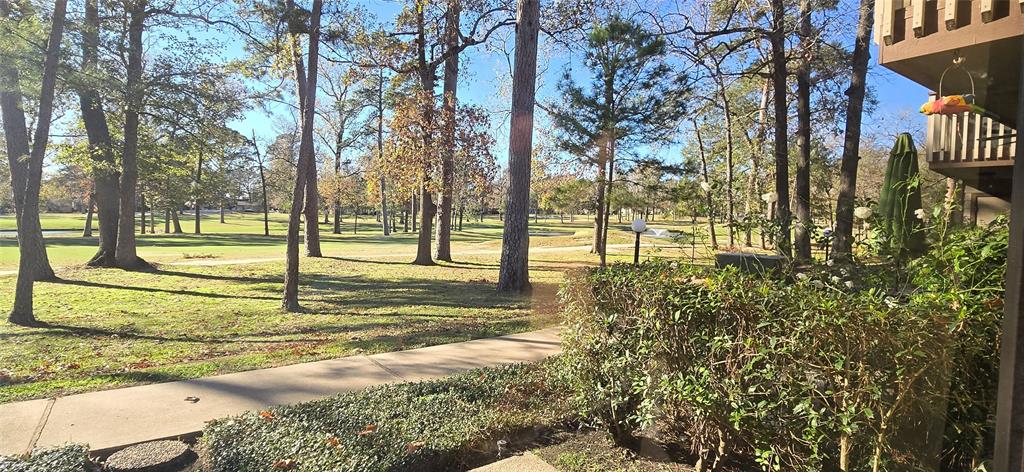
x: 639, y: 226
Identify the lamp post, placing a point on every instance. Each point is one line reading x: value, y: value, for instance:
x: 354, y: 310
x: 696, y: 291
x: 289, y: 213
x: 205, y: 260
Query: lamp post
x: 638, y: 226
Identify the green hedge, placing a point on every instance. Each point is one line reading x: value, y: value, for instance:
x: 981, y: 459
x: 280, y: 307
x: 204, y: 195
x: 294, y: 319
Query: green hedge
x: 69, y: 458
x: 435, y: 425
x: 787, y: 373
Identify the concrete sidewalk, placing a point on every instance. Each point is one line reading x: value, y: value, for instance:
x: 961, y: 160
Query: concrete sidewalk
x: 113, y: 418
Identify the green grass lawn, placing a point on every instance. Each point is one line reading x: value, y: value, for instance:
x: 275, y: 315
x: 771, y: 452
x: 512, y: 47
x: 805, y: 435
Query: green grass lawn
x: 110, y: 328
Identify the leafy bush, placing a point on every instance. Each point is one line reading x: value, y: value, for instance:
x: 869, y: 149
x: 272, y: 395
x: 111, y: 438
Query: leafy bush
x: 435, y: 425
x: 69, y: 458
x: 792, y: 374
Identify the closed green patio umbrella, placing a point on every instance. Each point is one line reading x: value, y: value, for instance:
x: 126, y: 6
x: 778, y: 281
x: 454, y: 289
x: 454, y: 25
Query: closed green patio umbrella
x: 900, y: 201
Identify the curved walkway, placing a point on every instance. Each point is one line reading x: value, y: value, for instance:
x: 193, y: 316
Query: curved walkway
x: 115, y: 418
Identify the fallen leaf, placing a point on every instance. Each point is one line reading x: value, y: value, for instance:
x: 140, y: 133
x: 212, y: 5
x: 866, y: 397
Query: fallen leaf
x: 266, y: 415
x: 369, y: 429
x: 192, y: 399
x: 332, y: 440
x: 285, y: 464
x: 413, y: 446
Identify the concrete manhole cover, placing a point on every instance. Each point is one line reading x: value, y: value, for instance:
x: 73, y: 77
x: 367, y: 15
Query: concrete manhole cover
x: 156, y: 456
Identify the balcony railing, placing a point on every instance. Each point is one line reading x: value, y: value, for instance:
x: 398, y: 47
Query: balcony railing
x: 901, y: 19
x: 969, y: 139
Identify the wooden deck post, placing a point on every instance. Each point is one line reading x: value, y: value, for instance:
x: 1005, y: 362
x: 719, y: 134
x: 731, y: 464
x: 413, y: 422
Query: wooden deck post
x: 1009, y: 447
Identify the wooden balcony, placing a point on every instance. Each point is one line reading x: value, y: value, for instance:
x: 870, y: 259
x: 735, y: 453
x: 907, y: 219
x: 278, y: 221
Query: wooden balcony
x: 978, y: 150
x: 919, y: 39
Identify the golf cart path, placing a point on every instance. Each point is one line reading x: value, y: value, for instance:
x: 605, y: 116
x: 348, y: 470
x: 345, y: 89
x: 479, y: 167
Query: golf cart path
x: 112, y: 419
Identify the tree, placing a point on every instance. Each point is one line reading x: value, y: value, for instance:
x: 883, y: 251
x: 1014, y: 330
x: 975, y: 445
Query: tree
x: 514, y: 272
x: 306, y: 90
x: 104, y: 163
x: 842, y: 243
x: 30, y: 241
x: 777, y: 39
x: 634, y: 98
x: 28, y: 223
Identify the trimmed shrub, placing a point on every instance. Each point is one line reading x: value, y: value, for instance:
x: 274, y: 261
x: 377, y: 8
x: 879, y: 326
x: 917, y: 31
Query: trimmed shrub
x: 69, y: 458
x: 435, y: 425
x: 793, y: 374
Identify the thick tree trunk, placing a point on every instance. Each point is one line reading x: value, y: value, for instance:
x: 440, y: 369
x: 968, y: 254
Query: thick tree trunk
x: 451, y: 82
x: 514, y: 274
x: 104, y: 170
x: 125, y: 255
x: 312, y: 207
x: 842, y: 243
x: 802, y: 232
x: 306, y: 90
x: 777, y: 38
x: 28, y: 266
x: 16, y: 138
x: 167, y: 221
x: 87, y: 232
x: 176, y: 221
x: 428, y: 208
x: 198, y: 200
x: 222, y: 212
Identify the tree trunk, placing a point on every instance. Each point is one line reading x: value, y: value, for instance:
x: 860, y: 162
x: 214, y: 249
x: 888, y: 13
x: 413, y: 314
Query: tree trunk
x: 266, y: 209
x: 222, y: 212
x: 777, y: 38
x: 428, y: 208
x: 608, y: 198
x: 513, y: 274
x: 602, y: 176
x: 28, y: 266
x: 312, y: 207
x: 730, y: 201
x: 142, y: 213
x: 802, y: 232
x: 338, y: 143
x: 451, y: 81
x: 87, y: 232
x: 16, y: 137
x: 707, y: 193
x: 306, y: 91
x: 380, y: 154
x: 754, y: 176
x: 415, y: 212
x: 842, y: 243
x: 198, y: 200
x: 104, y: 170
x: 125, y: 255
x: 176, y: 221
x: 167, y: 221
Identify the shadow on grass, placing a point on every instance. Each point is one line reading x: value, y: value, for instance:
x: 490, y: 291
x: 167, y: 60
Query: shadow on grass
x: 192, y: 293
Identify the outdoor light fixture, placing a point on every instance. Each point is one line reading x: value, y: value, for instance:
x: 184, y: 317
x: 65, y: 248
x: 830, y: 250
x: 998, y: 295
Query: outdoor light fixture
x: 638, y: 226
